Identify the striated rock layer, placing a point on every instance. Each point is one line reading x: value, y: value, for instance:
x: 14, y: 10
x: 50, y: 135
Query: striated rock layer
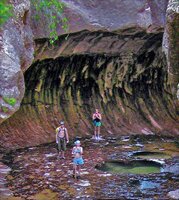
x: 122, y: 74
x: 111, y: 59
x: 16, y: 36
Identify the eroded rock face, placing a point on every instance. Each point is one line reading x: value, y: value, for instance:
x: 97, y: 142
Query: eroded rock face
x: 122, y: 74
x: 108, y: 15
x: 171, y: 44
x: 122, y: 71
x: 16, y: 38
x: 16, y: 54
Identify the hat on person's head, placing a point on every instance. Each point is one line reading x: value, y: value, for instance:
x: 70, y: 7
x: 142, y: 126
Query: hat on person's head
x: 62, y: 122
x: 77, y: 142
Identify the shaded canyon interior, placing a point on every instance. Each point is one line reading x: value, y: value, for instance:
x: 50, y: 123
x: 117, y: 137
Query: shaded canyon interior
x: 124, y: 73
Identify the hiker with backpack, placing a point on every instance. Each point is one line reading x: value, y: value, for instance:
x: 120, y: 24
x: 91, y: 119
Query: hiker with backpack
x: 77, y: 152
x: 62, y: 139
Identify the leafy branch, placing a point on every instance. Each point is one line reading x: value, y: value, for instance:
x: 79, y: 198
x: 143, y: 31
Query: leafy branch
x: 5, y: 11
x: 53, y: 10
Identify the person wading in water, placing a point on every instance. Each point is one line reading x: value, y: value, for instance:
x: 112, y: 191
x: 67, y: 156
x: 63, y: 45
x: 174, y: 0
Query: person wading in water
x: 62, y: 139
x: 97, y: 124
x: 77, y: 152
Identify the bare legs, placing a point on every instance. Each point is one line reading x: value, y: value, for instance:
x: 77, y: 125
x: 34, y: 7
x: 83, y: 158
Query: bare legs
x: 96, y: 132
x: 61, y: 148
x: 62, y: 154
x: 76, y: 171
x: 79, y: 170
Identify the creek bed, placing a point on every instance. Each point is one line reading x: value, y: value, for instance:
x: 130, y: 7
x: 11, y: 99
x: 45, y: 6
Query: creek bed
x: 37, y: 172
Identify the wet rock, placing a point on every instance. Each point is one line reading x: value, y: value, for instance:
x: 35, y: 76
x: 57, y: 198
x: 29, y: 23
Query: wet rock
x: 93, y: 183
x: 134, y: 181
x: 104, y: 175
x: 173, y: 194
x: 139, y: 145
x: 118, y: 62
x: 144, y: 185
x: 126, y: 147
x: 147, y: 131
x: 125, y: 139
x: 172, y: 169
x: 4, y: 191
x: 84, y: 183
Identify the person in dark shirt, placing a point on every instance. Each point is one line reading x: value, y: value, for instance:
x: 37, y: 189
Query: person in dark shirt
x: 97, y: 124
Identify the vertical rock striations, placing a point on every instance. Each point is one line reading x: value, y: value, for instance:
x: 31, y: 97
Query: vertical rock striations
x: 112, y: 59
x: 123, y: 74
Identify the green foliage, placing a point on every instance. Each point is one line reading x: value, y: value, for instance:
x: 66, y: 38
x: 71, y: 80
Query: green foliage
x: 52, y: 9
x: 4, y: 109
x: 11, y: 101
x: 5, y: 11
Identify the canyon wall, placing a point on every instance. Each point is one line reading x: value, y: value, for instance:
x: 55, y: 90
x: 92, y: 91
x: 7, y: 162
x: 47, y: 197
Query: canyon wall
x: 16, y: 55
x: 111, y: 59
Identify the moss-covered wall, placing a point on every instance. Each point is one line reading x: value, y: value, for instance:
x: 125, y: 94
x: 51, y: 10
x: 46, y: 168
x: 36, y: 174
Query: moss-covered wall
x: 125, y: 81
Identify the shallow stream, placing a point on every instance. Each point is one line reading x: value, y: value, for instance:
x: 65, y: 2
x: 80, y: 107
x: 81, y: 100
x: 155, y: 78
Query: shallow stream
x: 132, y: 167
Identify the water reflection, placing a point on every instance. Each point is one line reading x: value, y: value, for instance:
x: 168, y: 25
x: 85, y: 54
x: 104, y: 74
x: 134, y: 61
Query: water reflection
x: 134, y: 167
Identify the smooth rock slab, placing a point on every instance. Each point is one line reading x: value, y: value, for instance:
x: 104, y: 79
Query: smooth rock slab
x: 174, y: 194
x: 84, y: 183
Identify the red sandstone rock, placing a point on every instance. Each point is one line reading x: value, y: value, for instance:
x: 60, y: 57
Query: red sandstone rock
x: 16, y: 55
x: 108, y: 15
x: 105, y: 36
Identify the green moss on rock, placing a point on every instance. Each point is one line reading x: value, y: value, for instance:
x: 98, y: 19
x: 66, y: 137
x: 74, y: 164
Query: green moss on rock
x: 4, y: 109
x: 10, y: 100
